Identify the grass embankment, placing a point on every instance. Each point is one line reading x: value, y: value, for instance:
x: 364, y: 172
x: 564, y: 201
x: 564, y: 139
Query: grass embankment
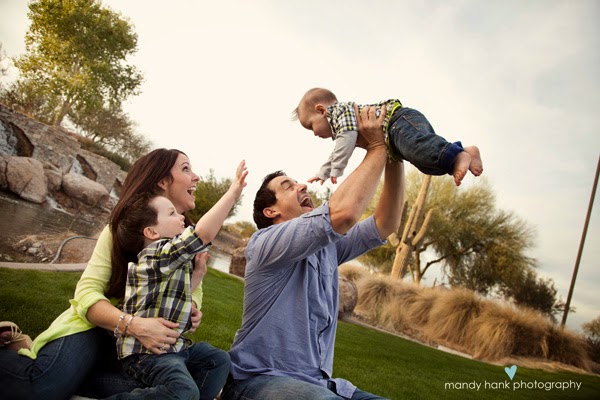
x: 377, y: 362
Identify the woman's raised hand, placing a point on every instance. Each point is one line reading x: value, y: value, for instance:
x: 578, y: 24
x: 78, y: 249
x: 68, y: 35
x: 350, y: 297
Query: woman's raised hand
x: 239, y: 183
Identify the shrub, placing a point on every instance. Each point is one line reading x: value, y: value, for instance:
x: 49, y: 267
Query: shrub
x: 461, y: 319
x: 451, y: 316
x: 353, y: 272
x: 373, y: 293
x: 98, y: 149
x: 567, y: 347
x: 419, y: 308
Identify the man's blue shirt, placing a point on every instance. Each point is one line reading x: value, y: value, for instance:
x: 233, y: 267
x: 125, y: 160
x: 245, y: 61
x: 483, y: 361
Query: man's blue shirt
x: 291, y: 298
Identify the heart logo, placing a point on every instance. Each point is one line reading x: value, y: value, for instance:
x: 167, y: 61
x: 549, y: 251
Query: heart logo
x: 511, y: 371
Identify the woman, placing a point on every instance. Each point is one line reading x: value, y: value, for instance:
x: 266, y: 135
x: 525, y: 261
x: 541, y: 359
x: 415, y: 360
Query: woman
x: 75, y: 346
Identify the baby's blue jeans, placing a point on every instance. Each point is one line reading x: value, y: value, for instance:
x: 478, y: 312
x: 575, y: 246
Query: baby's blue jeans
x: 412, y: 138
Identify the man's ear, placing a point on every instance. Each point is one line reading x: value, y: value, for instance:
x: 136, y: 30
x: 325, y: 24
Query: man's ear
x: 270, y: 212
x: 151, y: 233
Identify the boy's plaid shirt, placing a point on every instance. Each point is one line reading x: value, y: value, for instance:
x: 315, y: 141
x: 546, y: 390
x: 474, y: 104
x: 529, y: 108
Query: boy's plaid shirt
x: 159, y: 286
x: 342, y: 119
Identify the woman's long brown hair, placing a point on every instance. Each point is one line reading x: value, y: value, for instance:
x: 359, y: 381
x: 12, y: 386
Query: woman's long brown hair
x: 143, y: 177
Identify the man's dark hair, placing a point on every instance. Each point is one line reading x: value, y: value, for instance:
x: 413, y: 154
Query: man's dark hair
x: 265, y: 197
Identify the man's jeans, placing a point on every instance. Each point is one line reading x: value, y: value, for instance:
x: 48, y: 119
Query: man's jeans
x: 266, y: 387
x: 412, y: 138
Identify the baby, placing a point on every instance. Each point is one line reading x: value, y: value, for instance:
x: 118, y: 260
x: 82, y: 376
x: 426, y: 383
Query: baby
x: 408, y: 135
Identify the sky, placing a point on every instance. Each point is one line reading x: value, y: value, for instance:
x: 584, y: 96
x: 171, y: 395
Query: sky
x: 516, y: 78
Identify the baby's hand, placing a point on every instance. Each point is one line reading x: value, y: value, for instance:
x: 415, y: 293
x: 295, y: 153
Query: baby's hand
x: 333, y: 180
x: 315, y: 179
x: 239, y: 182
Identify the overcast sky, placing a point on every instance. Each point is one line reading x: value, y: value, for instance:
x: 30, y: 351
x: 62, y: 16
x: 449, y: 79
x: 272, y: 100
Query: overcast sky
x: 517, y: 78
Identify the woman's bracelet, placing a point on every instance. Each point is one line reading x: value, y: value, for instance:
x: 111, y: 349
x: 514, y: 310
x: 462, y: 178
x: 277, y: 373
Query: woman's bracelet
x: 116, y: 332
x: 127, y: 325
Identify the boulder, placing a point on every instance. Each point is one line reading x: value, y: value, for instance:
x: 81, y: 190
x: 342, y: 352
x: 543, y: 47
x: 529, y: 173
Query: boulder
x: 3, y: 162
x: 98, y: 168
x: 53, y: 175
x: 25, y: 177
x: 238, y: 262
x: 348, y: 296
x: 85, y: 190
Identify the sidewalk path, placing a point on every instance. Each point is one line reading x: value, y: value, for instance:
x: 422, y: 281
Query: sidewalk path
x: 44, y: 267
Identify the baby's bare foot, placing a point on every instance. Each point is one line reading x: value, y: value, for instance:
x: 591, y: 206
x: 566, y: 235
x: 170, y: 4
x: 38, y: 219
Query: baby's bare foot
x: 476, y: 166
x: 461, y: 166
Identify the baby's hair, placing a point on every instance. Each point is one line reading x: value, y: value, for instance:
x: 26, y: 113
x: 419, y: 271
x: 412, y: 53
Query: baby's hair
x: 313, y: 97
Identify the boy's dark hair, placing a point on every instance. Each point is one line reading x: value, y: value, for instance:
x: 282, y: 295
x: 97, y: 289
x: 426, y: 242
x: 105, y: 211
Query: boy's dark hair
x: 128, y: 234
x: 265, y: 197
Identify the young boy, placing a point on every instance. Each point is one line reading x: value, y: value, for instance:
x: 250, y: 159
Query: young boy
x: 409, y: 136
x: 161, y: 285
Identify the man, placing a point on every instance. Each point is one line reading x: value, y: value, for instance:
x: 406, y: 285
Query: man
x: 284, y: 349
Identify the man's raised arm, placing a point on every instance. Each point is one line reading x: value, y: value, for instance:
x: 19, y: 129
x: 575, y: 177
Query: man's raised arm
x: 350, y: 200
x: 389, y: 209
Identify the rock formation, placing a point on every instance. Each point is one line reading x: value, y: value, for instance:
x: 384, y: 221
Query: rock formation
x: 238, y: 262
x: 37, y: 160
x: 24, y: 177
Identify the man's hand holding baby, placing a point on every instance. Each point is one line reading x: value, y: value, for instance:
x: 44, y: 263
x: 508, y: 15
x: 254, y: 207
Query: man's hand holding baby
x: 370, y: 127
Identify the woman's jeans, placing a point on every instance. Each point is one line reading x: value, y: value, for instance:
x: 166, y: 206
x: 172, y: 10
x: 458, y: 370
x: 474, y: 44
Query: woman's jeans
x: 412, y: 138
x: 60, y: 367
x: 267, y: 387
x: 86, y: 364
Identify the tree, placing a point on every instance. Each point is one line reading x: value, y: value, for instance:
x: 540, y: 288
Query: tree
x: 319, y: 197
x: 531, y: 291
x: 75, y: 72
x: 75, y: 59
x: 592, y: 333
x: 208, y: 191
x: 112, y: 129
x: 592, y: 328
x: 477, y: 245
x: 245, y: 228
x: 413, y: 233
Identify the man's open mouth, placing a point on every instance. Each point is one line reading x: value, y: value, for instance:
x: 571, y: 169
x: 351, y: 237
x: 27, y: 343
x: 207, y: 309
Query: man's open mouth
x: 306, y: 202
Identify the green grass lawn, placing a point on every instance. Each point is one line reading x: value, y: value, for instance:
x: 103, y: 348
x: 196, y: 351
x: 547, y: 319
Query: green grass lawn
x: 377, y: 362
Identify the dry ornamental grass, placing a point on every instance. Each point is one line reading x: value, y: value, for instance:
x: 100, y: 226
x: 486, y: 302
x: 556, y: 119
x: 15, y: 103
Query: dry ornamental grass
x: 487, y: 329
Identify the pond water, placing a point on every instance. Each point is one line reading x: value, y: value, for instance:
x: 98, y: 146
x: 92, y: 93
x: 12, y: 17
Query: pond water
x: 20, y: 218
x: 219, y: 260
